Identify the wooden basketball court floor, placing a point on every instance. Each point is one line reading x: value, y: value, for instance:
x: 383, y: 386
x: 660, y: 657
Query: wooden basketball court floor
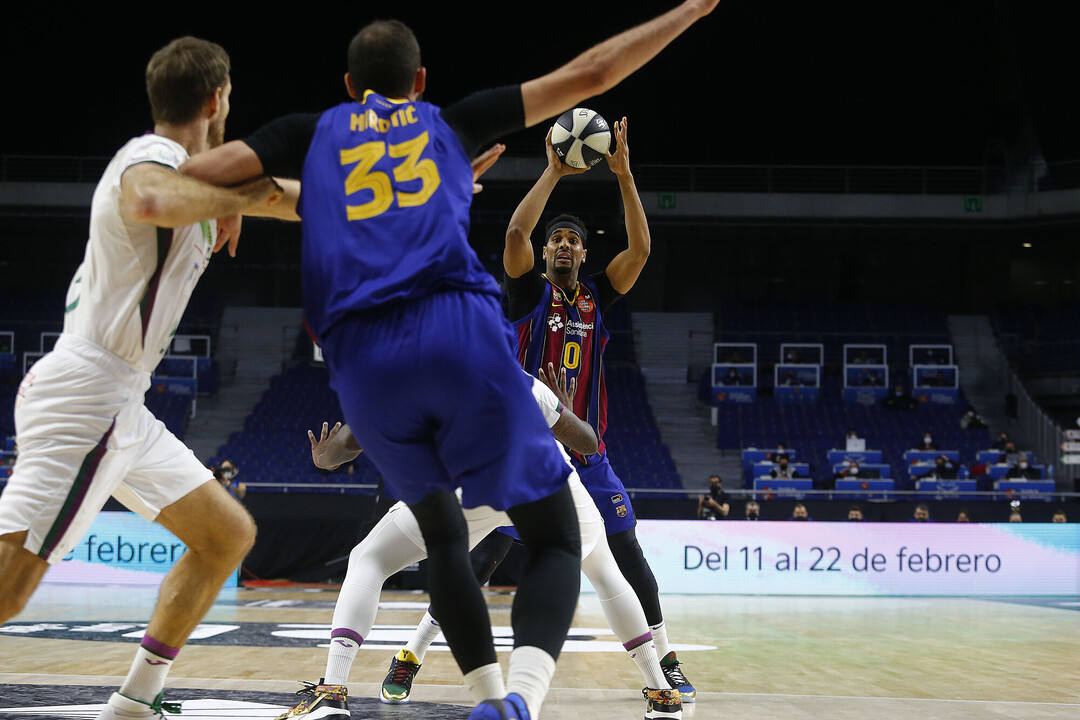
x: 750, y: 656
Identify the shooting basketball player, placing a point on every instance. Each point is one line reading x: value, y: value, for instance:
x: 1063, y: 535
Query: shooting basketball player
x: 83, y: 431
x: 396, y: 542
x: 412, y: 329
x: 560, y: 324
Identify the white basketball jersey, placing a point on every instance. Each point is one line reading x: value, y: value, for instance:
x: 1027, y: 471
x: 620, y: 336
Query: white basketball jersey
x: 133, y: 285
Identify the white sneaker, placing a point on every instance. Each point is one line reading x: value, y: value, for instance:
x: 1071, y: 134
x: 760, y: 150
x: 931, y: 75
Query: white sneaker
x: 121, y: 707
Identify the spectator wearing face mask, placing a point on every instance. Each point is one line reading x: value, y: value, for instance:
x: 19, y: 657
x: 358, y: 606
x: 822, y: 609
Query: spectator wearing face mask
x: 783, y: 469
x: 1022, y: 471
x: 1001, y: 442
x: 972, y: 420
x: 799, y: 512
x: 752, y: 510
x: 855, y: 514
x: 944, y: 469
x: 1059, y: 516
x: 226, y: 474
x: 715, y: 504
x: 850, y: 469
x: 927, y: 442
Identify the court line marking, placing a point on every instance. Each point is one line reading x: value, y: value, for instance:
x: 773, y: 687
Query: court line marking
x: 209, y: 683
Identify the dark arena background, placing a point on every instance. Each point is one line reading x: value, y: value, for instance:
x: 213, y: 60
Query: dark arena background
x: 864, y: 231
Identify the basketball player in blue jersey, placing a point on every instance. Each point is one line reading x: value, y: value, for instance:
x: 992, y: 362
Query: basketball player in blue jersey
x: 412, y: 330
x: 560, y: 327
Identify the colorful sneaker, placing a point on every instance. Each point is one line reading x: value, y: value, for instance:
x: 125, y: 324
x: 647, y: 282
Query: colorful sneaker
x: 397, y: 685
x: 319, y: 701
x: 122, y: 707
x: 674, y: 674
x: 664, y: 703
x: 511, y: 707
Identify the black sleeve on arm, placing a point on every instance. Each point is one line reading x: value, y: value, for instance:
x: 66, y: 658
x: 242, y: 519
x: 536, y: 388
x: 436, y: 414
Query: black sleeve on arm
x: 523, y: 293
x: 282, y: 144
x: 486, y: 115
x: 606, y: 294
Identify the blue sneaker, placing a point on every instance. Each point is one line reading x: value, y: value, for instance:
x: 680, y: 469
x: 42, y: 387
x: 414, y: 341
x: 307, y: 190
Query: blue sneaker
x: 511, y: 707
x: 674, y: 674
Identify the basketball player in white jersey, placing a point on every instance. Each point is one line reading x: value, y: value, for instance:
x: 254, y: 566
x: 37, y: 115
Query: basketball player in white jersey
x: 83, y: 431
x: 396, y: 542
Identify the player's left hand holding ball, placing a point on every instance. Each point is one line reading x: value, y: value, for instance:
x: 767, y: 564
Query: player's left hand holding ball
x: 619, y: 161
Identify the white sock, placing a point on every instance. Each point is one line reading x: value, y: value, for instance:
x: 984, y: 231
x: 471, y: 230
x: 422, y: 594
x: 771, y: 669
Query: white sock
x: 659, y: 636
x: 531, y: 670
x: 423, y: 636
x: 344, y: 644
x: 645, y: 657
x: 146, y: 678
x: 485, y: 682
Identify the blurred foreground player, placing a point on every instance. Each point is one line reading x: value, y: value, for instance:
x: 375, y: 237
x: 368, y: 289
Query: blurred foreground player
x: 412, y: 329
x: 83, y: 431
x: 396, y: 542
x: 560, y: 324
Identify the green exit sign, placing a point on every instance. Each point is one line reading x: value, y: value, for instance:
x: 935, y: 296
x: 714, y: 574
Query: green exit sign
x: 666, y: 200
x: 973, y: 203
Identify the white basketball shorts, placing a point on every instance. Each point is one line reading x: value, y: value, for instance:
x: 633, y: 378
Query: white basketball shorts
x: 84, y: 434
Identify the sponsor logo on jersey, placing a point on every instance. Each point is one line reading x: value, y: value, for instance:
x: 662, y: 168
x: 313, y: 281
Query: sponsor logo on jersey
x: 616, y: 499
x: 579, y: 328
x: 584, y: 304
x: 555, y: 322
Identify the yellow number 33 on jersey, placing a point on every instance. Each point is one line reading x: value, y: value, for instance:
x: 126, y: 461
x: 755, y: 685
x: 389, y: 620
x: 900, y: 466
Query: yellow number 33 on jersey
x: 410, y: 168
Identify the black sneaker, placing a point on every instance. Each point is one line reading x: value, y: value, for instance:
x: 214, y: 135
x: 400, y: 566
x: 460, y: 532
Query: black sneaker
x: 319, y: 701
x: 674, y: 674
x: 397, y: 684
x: 664, y: 704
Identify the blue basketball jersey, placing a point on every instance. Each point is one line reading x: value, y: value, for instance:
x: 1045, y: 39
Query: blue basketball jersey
x: 386, y: 191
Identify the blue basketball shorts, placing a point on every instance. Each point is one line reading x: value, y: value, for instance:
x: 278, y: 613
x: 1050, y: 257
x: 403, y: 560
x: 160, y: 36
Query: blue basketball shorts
x: 609, y: 494
x: 433, y: 393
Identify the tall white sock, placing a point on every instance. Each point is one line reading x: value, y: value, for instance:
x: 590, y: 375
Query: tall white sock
x: 659, y: 636
x: 423, y: 636
x: 344, y: 644
x: 146, y: 678
x: 645, y: 657
x: 485, y: 682
x: 531, y: 670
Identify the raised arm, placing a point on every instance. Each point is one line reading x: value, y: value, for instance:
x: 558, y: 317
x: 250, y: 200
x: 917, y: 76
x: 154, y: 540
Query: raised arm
x: 624, y: 268
x: 518, y: 254
x: 154, y: 195
x: 606, y: 65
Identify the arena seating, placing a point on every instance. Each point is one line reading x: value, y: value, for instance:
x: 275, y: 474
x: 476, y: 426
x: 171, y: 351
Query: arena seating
x: 1040, y: 342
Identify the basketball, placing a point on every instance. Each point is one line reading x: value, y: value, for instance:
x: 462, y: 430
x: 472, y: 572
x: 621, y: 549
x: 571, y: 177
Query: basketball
x: 581, y: 137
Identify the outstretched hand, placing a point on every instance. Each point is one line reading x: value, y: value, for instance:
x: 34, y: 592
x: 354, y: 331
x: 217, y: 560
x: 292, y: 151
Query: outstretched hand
x: 555, y: 163
x: 325, y: 453
x: 483, y: 162
x: 619, y: 161
x: 558, y: 385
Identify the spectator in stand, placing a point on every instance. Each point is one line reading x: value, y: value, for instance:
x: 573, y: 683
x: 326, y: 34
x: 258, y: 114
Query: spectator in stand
x: 971, y: 420
x: 963, y: 516
x: 714, y: 505
x: 927, y: 442
x: 226, y: 474
x: 1021, y: 470
x: 783, y: 469
x: 854, y: 443
x: 799, y: 512
x: 752, y: 510
x: 1015, y: 516
x: 922, y: 513
x: 851, y: 469
x: 1059, y: 516
x: 780, y: 452
x: 854, y: 514
x: 944, y: 469
x: 1001, y: 442
x: 899, y: 399
x: 733, y: 378
x: 1009, y: 454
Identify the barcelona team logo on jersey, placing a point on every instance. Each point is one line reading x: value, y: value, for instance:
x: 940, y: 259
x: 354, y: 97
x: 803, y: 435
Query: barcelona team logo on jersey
x: 621, y: 511
x: 584, y: 304
x: 616, y: 499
